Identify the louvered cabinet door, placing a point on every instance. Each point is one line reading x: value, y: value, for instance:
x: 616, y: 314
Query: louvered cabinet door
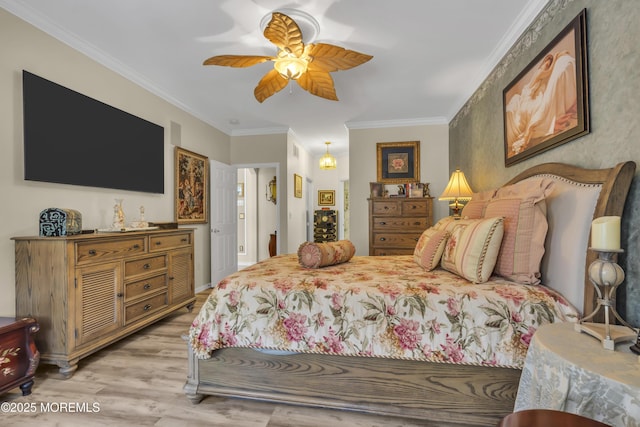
x: 99, y: 299
x: 181, y: 282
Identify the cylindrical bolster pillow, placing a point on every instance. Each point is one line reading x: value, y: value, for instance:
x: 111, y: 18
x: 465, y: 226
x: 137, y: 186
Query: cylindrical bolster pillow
x: 315, y: 255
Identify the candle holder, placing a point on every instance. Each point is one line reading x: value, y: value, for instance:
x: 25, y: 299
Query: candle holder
x: 606, y: 273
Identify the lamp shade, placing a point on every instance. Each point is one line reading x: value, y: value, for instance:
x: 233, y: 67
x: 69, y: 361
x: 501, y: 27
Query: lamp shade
x: 458, y: 188
x: 327, y: 161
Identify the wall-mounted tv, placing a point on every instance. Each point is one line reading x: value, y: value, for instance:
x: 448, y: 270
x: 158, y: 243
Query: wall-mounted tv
x: 70, y: 138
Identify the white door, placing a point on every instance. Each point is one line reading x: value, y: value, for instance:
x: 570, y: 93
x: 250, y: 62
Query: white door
x: 224, y: 227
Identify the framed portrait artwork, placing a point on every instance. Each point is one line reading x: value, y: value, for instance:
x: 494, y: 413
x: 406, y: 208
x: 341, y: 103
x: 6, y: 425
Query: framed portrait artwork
x: 326, y: 197
x: 297, y: 186
x: 547, y: 104
x: 191, y: 187
x: 398, y: 162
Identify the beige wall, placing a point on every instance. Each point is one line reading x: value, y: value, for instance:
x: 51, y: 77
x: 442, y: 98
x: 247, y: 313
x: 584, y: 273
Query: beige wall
x: 434, y: 168
x: 614, y: 84
x: 24, y: 47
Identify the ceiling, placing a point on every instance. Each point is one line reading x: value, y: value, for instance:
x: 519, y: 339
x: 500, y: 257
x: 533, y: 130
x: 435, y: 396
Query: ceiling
x: 428, y: 57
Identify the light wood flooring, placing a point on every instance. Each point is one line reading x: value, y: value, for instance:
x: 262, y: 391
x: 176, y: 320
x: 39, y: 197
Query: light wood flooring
x: 138, y: 382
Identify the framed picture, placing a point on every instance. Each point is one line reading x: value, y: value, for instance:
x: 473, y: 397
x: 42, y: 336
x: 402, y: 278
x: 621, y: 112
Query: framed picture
x: 326, y: 197
x: 191, y: 187
x: 297, y: 186
x: 547, y: 104
x: 398, y: 162
x: 376, y: 189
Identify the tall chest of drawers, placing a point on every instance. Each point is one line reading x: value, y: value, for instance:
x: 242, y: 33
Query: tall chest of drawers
x: 88, y: 291
x: 395, y: 224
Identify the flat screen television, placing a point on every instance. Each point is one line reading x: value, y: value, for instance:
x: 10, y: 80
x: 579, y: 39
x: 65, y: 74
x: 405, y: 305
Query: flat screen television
x: 70, y: 138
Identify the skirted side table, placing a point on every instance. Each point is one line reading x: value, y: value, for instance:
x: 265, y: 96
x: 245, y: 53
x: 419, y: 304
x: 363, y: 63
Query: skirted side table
x: 19, y: 356
x: 569, y: 371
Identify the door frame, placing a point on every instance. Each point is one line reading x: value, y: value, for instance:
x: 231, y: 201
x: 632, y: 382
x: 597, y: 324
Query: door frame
x: 280, y: 193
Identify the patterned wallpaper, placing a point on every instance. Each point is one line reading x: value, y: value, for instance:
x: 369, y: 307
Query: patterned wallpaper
x: 476, y: 132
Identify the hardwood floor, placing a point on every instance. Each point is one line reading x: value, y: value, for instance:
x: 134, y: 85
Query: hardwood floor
x: 138, y: 382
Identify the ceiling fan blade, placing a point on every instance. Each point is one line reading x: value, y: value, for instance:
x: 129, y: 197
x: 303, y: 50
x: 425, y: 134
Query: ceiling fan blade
x: 285, y: 33
x: 333, y: 58
x: 239, y: 61
x: 319, y: 83
x: 271, y: 83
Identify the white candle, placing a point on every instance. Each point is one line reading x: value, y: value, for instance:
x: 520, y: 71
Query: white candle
x: 605, y: 233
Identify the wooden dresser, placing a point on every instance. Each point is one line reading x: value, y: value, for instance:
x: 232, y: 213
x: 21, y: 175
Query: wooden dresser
x: 18, y: 354
x: 88, y: 291
x: 396, y: 223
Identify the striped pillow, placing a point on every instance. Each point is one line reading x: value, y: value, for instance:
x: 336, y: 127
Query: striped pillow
x: 524, y: 209
x: 472, y: 249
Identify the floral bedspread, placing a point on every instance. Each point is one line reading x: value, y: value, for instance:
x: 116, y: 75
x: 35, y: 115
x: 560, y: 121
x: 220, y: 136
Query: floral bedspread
x: 376, y: 307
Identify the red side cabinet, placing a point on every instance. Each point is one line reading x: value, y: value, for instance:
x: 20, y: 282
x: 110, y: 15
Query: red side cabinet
x: 19, y: 356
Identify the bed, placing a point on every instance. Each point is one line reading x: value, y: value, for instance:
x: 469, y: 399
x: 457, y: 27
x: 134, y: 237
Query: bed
x: 396, y: 338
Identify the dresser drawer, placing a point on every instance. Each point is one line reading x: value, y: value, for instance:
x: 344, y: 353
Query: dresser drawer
x: 145, y: 307
x: 142, y: 287
x: 386, y: 207
x: 400, y: 224
x: 417, y: 207
x: 392, y: 251
x: 170, y: 241
x: 91, y: 251
x: 145, y: 265
x: 396, y: 240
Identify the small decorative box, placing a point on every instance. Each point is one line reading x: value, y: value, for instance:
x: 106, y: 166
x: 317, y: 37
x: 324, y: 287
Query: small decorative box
x: 60, y: 222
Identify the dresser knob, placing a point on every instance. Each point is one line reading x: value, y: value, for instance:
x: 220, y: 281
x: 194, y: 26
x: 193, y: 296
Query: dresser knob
x: 136, y: 246
x: 92, y: 251
x: 147, y: 286
x: 119, y: 294
x: 383, y: 223
x: 382, y: 239
x: 147, y: 307
x: 146, y: 266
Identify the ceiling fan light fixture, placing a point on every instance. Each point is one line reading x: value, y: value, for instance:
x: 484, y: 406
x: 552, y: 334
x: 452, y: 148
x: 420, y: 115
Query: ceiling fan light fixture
x: 327, y: 161
x: 290, y: 66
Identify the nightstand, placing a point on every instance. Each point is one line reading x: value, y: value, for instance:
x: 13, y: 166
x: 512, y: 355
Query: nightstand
x: 19, y: 356
x: 569, y: 371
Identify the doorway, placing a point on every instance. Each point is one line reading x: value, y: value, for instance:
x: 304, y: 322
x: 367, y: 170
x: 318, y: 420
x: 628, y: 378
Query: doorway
x: 258, y: 217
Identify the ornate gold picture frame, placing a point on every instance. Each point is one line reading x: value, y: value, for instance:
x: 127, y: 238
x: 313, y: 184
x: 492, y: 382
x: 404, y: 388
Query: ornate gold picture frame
x: 398, y: 162
x: 297, y: 186
x: 326, y: 197
x: 191, y: 187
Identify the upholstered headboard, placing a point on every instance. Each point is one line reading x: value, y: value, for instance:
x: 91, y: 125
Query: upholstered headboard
x: 579, y: 196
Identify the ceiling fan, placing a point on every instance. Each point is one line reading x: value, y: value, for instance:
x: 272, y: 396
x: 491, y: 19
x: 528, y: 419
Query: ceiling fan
x: 309, y: 64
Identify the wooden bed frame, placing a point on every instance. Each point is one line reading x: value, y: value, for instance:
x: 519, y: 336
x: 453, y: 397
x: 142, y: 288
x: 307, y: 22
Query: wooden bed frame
x: 437, y: 392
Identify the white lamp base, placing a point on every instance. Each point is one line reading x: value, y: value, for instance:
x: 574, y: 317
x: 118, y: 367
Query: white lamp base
x: 617, y: 333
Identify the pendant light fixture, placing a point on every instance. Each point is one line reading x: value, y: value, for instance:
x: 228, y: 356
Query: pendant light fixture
x: 327, y: 161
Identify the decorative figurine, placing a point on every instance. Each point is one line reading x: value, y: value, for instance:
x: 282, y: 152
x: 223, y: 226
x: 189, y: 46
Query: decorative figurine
x: 118, y: 216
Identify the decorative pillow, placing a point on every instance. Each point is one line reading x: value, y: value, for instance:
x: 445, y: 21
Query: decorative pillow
x: 315, y: 255
x: 524, y: 210
x: 430, y: 247
x: 472, y: 249
x: 474, y: 208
